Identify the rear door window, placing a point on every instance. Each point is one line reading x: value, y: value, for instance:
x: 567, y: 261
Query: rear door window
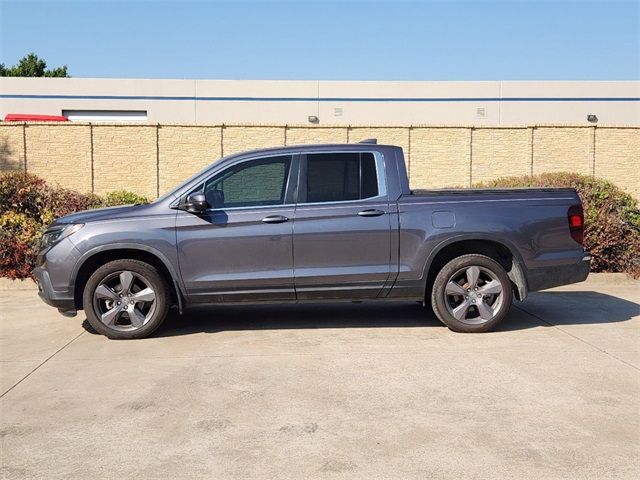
x: 339, y: 177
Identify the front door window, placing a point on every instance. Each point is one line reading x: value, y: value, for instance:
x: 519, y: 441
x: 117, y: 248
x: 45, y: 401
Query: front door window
x: 255, y: 183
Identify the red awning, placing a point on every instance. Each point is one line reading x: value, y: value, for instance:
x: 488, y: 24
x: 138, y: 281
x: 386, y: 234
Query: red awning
x: 29, y: 117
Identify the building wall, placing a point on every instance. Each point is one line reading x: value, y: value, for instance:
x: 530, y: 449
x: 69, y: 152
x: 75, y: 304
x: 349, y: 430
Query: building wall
x: 352, y: 103
x: 150, y: 159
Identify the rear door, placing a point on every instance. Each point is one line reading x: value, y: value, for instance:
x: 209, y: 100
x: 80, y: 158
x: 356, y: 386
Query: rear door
x: 342, y: 231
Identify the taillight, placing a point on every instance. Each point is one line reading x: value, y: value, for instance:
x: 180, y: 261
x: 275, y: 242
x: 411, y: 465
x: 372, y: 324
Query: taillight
x: 576, y: 223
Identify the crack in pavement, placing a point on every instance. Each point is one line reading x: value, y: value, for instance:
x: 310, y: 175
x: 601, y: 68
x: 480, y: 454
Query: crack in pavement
x: 42, y: 363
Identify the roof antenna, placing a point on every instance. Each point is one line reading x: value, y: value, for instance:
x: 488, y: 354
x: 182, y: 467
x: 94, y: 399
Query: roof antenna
x: 372, y: 141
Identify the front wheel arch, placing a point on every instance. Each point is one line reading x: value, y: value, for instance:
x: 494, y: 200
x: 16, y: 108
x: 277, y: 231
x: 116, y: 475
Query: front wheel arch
x: 95, y: 260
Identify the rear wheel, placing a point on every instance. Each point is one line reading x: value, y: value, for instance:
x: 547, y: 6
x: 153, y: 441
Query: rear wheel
x: 472, y: 293
x: 126, y: 299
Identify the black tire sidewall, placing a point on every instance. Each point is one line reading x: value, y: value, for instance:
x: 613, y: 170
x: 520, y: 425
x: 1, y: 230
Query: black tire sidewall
x: 147, y: 271
x: 438, y: 297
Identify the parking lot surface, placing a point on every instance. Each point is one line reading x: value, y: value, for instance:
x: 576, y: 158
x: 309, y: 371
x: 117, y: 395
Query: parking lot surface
x: 334, y: 391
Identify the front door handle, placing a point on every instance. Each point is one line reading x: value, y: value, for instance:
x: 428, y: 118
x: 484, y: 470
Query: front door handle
x: 371, y: 212
x: 275, y: 219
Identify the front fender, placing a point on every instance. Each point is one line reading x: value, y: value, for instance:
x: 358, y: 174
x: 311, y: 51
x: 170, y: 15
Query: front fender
x: 177, y: 280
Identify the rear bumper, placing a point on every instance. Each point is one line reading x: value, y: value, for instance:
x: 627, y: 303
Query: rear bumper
x: 62, y: 300
x: 557, y: 275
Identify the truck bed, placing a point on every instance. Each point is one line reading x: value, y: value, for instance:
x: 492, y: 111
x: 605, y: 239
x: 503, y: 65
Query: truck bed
x: 492, y: 191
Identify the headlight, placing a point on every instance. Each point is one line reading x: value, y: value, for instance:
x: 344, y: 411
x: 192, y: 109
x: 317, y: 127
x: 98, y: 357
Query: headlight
x: 53, y: 236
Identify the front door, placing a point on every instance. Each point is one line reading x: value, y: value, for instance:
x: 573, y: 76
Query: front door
x: 240, y: 249
x: 342, y: 231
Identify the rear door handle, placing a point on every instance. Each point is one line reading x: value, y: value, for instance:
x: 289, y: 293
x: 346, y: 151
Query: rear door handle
x: 275, y: 219
x: 371, y: 212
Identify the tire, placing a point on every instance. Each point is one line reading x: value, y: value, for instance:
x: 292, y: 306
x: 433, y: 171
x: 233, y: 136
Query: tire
x: 471, y: 293
x: 126, y: 299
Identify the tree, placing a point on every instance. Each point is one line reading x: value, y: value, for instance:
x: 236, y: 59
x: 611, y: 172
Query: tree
x: 32, y: 66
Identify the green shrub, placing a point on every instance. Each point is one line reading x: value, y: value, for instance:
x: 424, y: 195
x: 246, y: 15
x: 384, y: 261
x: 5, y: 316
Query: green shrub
x: 28, y: 205
x: 16, y: 257
x: 122, y: 197
x: 29, y: 194
x: 612, y: 218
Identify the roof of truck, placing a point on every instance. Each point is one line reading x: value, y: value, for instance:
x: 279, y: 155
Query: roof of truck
x: 326, y: 147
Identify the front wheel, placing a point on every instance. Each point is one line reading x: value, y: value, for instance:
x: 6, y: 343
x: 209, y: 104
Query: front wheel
x: 126, y: 299
x: 472, y: 293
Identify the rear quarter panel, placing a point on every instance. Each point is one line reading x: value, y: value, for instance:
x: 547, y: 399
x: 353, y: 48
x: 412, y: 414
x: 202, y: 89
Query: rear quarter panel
x: 533, y: 225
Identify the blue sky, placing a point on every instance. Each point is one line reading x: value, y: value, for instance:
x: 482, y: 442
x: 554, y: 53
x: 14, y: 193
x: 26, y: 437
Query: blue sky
x: 350, y: 40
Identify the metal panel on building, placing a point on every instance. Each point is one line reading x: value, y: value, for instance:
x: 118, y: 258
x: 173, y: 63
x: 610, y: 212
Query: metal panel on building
x: 486, y: 103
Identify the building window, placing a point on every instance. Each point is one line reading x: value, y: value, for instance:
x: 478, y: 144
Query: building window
x: 106, y: 115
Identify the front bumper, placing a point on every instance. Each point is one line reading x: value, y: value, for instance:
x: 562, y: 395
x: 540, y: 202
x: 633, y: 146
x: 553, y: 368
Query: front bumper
x: 62, y: 300
x: 558, y: 275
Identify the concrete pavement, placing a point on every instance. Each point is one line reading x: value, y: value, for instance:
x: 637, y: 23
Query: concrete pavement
x: 342, y: 391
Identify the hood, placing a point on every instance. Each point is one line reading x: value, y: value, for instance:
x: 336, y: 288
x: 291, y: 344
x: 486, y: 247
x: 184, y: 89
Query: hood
x: 108, y: 213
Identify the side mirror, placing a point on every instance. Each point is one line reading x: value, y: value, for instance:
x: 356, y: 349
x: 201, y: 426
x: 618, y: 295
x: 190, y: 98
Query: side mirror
x: 196, y: 202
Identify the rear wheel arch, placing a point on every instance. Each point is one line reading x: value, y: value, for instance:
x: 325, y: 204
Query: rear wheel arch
x: 506, y: 255
x: 96, y: 258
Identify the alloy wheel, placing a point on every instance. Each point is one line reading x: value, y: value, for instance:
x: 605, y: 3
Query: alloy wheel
x: 124, y: 300
x: 474, y: 295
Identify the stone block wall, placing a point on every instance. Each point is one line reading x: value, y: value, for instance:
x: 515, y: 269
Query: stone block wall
x: 149, y: 159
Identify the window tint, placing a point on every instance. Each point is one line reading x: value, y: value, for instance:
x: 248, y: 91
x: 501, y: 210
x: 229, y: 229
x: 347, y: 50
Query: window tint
x: 253, y: 183
x: 335, y: 177
x: 369, y: 178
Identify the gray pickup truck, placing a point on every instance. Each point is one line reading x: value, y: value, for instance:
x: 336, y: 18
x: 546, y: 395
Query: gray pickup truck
x: 317, y: 223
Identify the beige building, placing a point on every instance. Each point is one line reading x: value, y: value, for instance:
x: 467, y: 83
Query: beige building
x: 487, y: 103
x: 452, y: 133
